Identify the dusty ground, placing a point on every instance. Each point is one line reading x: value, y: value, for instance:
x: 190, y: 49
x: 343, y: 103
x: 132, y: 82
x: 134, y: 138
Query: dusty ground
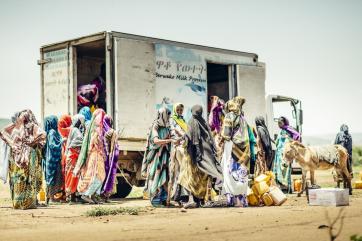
x: 295, y: 220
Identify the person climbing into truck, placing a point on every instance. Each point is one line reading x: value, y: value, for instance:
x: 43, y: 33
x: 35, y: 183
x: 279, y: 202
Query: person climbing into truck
x: 93, y: 95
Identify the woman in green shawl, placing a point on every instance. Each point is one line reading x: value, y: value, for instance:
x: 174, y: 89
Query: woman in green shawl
x: 155, y: 166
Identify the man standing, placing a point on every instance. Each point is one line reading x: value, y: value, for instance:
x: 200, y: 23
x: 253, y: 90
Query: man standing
x: 344, y: 139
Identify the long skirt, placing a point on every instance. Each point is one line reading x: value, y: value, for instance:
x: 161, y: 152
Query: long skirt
x: 261, y: 166
x: 57, y: 185
x: 235, y: 183
x: 25, y: 183
x: 157, y: 179
x: 282, y: 170
x: 92, y: 174
x: 111, y: 172
x: 71, y: 181
x: 191, y: 177
x: 177, y: 192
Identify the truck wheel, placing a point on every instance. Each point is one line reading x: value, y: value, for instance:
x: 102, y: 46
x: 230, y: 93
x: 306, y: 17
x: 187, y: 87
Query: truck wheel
x: 123, y: 188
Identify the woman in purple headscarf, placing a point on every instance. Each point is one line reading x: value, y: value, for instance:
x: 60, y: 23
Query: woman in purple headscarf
x: 282, y: 169
x: 112, y: 152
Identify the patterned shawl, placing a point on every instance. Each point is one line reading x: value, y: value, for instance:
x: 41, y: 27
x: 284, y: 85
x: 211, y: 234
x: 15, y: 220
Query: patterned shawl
x: 75, y: 138
x: 95, y: 126
x: 235, y: 105
x: 22, y: 135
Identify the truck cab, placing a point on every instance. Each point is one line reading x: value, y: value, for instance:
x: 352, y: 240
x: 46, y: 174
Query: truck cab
x: 291, y: 108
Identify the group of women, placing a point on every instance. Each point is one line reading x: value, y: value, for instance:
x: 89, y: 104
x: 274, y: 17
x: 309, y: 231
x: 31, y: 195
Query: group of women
x: 184, y: 163
x: 188, y: 162
x: 77, y: 155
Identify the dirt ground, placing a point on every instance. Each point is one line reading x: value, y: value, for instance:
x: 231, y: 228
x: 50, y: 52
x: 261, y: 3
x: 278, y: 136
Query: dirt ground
x: 295, y: 220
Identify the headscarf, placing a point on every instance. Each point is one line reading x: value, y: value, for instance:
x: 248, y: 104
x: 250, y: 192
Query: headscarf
x: 344, y: 138
x: 64, y: 125
x: 95, y: 126
x: 87, y: 94
x: 86, y: 112
x: 295, y: 134
x: 163, y: 116
x: 179, y: 118
x: 235, y: 105
x: 52, y: 149
x: 264, y: 135
x: 76, y: 134
x: 22, y: 135
x: 197, y: 125
x: 216, y: 114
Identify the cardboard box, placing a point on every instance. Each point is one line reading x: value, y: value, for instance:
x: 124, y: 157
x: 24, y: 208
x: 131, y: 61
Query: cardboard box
x: 328, y: 197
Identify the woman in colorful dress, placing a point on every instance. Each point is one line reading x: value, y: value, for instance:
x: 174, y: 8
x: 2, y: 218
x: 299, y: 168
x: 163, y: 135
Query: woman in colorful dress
x: 155, y: 166
x: 64, y: 126
x: 52, y: 160
x: 237, y: 152
x: 73, y: 146
x: 90, y: 163
x: 265, y: 152
x: 112, y: 153
x: 216, y: 118
x: 282, y: 169
x: 26, y: 140
x: 202, y: 149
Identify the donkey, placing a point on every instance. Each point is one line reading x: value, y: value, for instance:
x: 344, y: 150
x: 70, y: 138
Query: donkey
x: 318, y: 158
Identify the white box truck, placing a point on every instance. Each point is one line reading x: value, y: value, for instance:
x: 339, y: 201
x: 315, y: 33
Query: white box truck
x: 144, y: 73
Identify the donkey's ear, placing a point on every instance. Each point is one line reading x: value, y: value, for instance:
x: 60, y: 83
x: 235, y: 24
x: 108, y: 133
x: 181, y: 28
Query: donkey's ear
x: 299, y: 144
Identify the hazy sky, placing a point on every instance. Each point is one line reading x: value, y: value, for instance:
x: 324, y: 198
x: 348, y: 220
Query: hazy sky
x: 312, y: 49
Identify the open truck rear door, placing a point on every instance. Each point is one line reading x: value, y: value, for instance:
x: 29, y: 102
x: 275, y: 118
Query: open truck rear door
x: 251, y: 85
x: 55, y: 82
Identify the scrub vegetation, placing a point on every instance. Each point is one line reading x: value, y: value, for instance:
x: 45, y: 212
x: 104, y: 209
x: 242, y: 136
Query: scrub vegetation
x: 102, y: 211
x: 357, y: 155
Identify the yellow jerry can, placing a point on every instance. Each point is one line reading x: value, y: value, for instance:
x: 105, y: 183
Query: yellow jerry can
x: 262, y: 178
x: 253, y: 199
x: 267, y: 199
x: 260, y: 188
x: 358, y: 185
x: 42, y: 195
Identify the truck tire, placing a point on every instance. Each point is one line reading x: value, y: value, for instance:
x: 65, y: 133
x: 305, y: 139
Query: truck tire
x: 123, y: 188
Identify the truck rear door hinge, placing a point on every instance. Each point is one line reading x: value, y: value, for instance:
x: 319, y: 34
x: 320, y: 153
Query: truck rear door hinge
x: 43, y: 61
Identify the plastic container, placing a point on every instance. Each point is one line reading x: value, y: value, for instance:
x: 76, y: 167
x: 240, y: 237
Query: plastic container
x: 253, y: 199
x: 297, y: 184
x: 259, y: 188
x: 42, y: 195
x: 262, y: 178
x: 358, y: 185
x: 277, y: 195
x: 267, y: 199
